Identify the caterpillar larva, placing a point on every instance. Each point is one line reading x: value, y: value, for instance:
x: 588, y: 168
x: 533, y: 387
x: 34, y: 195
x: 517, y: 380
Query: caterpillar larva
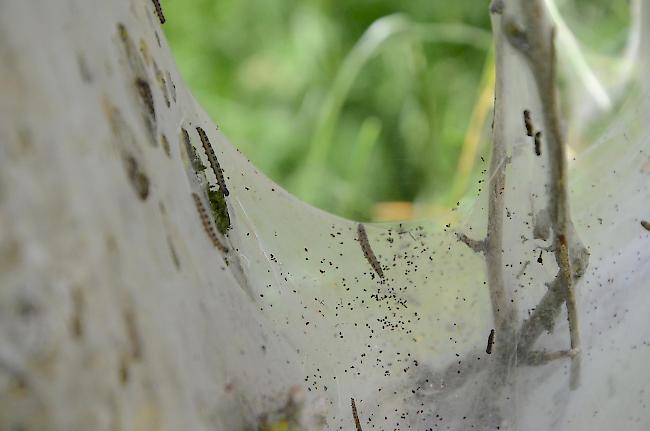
x: 207, y: 225
x: 490, y: 342
x: 538, y: 143
x: 355, y: 415
x: 214, y: 163
x: 159, y: 11
x: 528, y: 123
x: 367, y: 250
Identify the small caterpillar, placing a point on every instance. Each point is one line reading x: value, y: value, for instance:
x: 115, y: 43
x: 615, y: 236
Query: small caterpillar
x: 367, y: 250
x: 214, y: 163
x: 191, y: 153
x: 159, y: 11
x: 207, y: 225
x: 355, y: 415
x: 538, y: 143
x: 490, y: 342
x: 528, y: 123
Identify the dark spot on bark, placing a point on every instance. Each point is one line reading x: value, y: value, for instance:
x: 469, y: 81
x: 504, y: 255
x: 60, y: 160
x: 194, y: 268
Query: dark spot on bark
x: 133, y: 335
x: 165, y: 144
x: 26, y: 308
x: 124, y: 371
x: 134, y: 60
x: 76, y: 327
x: 144, y: 51
x: 138, y: 71
x: 162, y: 84
x: 172, y: 86
x: 84, y: 71
x: 146, y: 96
x: 174, y: 255
x: 138, y: 179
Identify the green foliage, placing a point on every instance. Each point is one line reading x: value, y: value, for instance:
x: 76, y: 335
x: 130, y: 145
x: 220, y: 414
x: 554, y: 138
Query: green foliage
x: 339, y: 112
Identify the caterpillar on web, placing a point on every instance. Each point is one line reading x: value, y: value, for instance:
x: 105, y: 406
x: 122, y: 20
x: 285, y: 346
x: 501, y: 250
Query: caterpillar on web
x: 207, y: 224
x: 367, y: 250
x: 355, y: 415
x: 214, y: 163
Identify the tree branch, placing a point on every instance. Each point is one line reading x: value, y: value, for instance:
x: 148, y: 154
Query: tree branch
x: 536, y: 44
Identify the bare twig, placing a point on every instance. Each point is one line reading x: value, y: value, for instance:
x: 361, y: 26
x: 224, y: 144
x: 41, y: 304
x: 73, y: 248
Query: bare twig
x: 542, y: 319
x: 484, y: 408
x: 540, y: 358
x: 476, y: 245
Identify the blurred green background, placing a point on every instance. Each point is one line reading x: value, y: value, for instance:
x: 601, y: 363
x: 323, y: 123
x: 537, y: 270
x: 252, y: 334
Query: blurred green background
x: 360, y: 107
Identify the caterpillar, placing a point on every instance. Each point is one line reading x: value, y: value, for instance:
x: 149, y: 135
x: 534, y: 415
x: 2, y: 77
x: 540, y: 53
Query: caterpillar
x: 490, y: 342
x: 207, y: 225
x: 214, y: 163
x: 159, y: 11
x: 355, y: 415
x: 528, y: 123
x: 367, y: 250
x: 538, y: 143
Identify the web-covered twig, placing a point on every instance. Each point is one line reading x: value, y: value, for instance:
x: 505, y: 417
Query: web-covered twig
x: 535, y: 41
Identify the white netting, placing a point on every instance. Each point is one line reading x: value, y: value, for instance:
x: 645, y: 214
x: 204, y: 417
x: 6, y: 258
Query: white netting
x: 299, y: 304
